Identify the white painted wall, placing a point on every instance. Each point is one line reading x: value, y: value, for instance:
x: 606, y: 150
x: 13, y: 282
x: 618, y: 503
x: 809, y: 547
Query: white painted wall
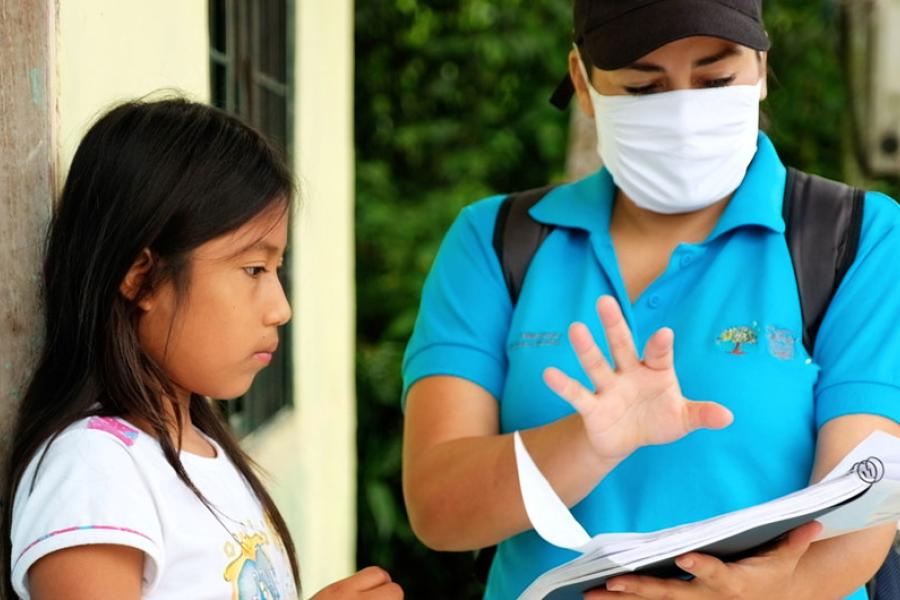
x: 114, y: 50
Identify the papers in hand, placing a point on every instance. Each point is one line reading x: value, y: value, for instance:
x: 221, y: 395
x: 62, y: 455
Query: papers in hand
x: 861, y: 492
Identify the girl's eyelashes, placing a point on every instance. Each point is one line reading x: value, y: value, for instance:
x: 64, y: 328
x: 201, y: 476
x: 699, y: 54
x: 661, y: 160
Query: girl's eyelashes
x: 254, y: 271
x: 257, y: 270
x: 656, y: 87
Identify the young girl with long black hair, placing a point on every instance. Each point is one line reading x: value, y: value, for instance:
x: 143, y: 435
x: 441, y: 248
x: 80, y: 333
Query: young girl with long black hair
x: 160, y: 292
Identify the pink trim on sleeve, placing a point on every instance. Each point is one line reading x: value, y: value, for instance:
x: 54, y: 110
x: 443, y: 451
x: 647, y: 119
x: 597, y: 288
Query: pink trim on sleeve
x: 79, y: 528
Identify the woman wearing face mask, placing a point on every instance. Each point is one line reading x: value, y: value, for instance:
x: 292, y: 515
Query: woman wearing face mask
x: 681, y: 237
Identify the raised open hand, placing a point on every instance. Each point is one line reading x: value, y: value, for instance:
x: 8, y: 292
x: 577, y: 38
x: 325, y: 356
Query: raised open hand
x: 639, y: 403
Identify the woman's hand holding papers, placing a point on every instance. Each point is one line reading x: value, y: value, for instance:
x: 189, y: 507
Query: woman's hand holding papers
x: 769, y: 575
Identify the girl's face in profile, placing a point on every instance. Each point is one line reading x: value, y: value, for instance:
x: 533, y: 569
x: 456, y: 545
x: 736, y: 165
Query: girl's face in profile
x: 224, y: 329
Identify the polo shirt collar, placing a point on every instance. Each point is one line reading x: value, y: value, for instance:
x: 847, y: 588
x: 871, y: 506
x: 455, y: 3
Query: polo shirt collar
x: 587, y: 204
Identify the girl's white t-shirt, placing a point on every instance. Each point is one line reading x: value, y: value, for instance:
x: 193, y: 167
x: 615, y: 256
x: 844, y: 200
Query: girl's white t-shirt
x: 103, y: 481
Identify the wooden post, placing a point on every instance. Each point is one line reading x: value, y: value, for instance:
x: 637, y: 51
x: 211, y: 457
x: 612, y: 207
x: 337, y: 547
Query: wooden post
x: 27, y: 183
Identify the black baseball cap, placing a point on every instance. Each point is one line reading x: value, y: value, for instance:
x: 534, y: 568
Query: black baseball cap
x: 612, y: 34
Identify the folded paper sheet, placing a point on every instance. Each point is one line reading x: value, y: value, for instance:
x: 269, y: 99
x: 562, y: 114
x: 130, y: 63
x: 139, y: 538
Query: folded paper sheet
x: 861, y: 492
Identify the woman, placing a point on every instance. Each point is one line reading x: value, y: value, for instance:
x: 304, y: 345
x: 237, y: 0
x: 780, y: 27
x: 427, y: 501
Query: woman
x: 683, y: 230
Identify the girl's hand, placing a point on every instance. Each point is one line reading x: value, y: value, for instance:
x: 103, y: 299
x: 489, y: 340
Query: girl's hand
x: 371, y: 583
x: 640, y: 402
x: 767, y: 576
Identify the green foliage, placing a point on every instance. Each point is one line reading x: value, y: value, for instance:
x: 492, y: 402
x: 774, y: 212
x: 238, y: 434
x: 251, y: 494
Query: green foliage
x: 451, y: 106
x: 809, y: 104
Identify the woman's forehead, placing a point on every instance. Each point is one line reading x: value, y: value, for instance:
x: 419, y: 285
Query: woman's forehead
x: 696, y: 51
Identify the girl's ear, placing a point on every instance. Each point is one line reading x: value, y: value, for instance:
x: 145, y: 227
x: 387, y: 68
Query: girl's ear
x: 134, y: 279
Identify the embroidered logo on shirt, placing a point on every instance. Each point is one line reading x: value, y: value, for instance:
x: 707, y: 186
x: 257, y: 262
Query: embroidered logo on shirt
x: 735, y: 340
x: 114, y: 427
x: 782, y: 342
x: 530, y: 339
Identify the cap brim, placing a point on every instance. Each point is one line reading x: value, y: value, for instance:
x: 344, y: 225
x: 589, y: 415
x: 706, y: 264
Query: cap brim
x: 622, y: 41
x: 563, y: 93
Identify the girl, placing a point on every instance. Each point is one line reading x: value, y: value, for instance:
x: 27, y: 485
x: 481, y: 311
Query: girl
x: 681, y: 236
x: 160, y: 291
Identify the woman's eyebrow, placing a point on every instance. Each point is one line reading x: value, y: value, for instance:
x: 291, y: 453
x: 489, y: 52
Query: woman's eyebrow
x: 647, y: 67
x: 725, y: 53
x: 644, y: 67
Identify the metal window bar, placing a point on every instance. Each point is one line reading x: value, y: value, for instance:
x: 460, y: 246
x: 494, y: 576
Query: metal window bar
x: 251, y: 74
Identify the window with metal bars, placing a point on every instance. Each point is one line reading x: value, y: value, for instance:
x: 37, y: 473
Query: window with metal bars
x: 251, y: 71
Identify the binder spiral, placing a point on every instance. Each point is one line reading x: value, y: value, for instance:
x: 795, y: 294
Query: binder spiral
x: 870, y: 470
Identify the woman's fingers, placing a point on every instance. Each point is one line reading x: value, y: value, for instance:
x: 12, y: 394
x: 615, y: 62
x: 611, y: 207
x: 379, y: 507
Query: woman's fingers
x: 705, y: 415
x: 796, y: 543
x: 649, y: 588
x: 709, y: 569
x: 590, y: 356
x: 570, y: 390
x: 602, y: 594
x: 618, y: 336
x: 800, y: 539
x: 659, y: 352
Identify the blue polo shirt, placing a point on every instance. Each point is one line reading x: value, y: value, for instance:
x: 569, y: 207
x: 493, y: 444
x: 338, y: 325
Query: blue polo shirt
x: 733, y: 304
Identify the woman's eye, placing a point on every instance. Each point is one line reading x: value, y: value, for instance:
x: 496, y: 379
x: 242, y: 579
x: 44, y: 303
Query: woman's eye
x: 714, y: 83
x: 643, y: 90
x: 254, y: 271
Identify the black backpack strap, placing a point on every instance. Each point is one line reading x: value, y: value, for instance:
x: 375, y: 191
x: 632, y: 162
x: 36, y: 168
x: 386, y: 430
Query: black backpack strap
x: 517, y: 236
x: 823, y: 220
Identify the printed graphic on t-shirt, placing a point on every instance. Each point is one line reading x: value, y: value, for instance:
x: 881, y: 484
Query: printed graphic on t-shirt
x: 251, y: 572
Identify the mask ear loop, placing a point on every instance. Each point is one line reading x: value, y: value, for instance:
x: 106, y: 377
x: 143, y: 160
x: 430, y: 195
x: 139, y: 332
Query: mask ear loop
x: 584, y: 73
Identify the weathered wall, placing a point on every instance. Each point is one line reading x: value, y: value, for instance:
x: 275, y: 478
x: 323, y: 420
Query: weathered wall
x: 26, y: 175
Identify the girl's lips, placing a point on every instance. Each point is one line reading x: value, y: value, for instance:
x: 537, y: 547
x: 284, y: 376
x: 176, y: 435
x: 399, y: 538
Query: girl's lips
x: 263, y: 356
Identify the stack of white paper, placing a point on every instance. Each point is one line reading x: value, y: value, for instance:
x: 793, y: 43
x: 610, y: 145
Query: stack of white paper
x: 862, y: 491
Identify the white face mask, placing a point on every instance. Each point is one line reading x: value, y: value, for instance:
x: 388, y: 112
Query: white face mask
x: 677, y: 152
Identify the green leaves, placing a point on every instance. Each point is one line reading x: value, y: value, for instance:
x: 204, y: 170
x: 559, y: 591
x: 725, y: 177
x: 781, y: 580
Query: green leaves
x: 452, y: 106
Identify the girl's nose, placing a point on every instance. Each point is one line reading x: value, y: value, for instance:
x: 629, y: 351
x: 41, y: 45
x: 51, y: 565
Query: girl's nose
x: 280, y: 310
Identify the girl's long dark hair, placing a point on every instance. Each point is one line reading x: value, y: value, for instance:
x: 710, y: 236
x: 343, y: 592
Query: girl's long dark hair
x: 168, y: 176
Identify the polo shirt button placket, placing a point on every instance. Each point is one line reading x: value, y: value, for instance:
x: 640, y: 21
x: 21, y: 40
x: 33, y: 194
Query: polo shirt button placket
x: 686, y: 260
x: 654, y: 301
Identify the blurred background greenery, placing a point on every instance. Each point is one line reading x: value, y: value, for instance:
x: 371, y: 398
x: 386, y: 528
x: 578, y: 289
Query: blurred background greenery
x: 451, y: 106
